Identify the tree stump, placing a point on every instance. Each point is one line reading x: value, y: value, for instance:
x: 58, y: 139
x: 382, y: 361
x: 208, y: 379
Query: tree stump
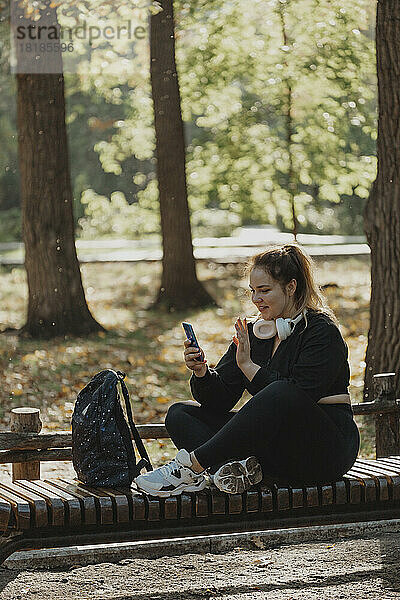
x: 386, y: 424
x: 26, y: 420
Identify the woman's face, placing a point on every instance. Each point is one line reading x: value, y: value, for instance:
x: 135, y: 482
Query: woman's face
x: 268, y: 296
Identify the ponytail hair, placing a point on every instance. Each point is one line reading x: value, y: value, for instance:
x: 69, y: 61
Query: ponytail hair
x: 289, y: 261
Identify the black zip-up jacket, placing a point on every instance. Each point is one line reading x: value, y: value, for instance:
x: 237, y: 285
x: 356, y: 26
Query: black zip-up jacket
x: 315, y: 358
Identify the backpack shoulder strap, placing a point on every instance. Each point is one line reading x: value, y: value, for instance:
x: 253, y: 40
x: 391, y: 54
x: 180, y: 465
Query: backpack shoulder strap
x: 145, y: 462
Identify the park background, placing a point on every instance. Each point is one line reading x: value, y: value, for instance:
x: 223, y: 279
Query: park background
x: 279, y: 104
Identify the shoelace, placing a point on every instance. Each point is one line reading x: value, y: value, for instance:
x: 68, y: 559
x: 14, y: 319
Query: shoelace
x: 171, y: 467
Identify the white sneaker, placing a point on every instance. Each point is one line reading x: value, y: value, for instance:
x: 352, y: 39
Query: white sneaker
x: 238, y: 476
x: 171, y: 479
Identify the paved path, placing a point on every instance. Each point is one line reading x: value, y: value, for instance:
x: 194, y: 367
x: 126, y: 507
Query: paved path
x: 362, y: 569
x: 222, y: 250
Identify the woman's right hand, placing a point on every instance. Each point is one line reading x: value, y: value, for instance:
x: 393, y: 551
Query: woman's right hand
x: 190, y: 354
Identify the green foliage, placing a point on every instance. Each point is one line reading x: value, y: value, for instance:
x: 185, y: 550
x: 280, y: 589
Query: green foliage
x: 235, y: 75
x: 9, y: 183
x: 115, y: 217
x: 214, y: 222
x: 328, y: 64
x: 242, y: 74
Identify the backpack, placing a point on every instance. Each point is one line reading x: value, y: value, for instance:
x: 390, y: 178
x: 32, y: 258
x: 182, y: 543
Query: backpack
x: 102, y: 450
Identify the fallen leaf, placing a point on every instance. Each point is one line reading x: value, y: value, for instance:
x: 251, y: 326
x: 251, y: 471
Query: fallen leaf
x: 162, y: 399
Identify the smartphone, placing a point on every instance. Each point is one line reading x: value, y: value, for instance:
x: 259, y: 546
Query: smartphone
x: 190, y: 334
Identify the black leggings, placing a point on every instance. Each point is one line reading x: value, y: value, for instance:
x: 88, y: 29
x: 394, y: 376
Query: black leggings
x: 295, y: 439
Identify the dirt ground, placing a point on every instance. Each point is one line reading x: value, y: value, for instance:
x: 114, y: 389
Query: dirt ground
x: 48, y: 470
x: 362, y: 569
x: 366, y: 569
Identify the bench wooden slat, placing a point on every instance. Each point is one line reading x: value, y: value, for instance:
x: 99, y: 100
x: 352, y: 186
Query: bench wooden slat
x: 340, y: 492
x: 37, y: 503
x: 201, y: 504
x: 218, y: 502
x: 56, y: 507
x: 103, y: 508
x: 20, y: 507
x: 381, y: 462
x: 394, y: 474
x: 72, y: 505
x: 312, y: 496
x: 297, y: 497
x: 379, y: 478
x: 153, y: 508
x: 138, y: 506
x: 186, y: 506
x: 116, y: 500
x: 282, y: 498
x: 395, y: 459
x: 5, y: 513
x: 392, y: 461
x: 63, y: 439
x: 369, y: 490
x: 354, y: 489
x: 382, y: 479
x: 26, y: 456
x: 368, y: 486
x: 267, y: 499
x: 171, y: 507
x: 85, y: 499
x: 252, y: 501
x: 120, y: 502
x: 385, y: 468
x: 34, y: 441
x: 326, y: 495
x: 392, y: 466
x: 235, y: 504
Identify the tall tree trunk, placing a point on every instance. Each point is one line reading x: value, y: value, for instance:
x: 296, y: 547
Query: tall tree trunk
x: 289, y: 127
x: 56, y: 304
x: 180, y: 287
x: 382, y: 210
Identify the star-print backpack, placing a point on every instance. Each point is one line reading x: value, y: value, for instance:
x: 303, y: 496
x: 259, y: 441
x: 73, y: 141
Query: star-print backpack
x: 102, y: 451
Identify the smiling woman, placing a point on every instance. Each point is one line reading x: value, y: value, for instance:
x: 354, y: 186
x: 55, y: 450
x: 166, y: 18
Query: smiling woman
x: 298, y: 426
x: 285, y: 272
x: 271, y: 299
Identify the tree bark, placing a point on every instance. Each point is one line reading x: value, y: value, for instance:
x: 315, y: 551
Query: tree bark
x: 56, y: 304
x: 56, y: 301
x: 289, y: 127
x: 382, y: 210
x: 180, y: 287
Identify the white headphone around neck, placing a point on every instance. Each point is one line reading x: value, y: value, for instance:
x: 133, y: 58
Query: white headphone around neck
x: 283, y: 327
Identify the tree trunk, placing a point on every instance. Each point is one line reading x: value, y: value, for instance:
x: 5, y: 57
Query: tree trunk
x: 289, y: 127
x: 180, y: 287
x: 57, y: 304
x: 382, y: 210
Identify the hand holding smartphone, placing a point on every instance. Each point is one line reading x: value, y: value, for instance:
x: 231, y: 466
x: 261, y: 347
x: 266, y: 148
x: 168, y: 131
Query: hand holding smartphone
x: 191, y: 345
x: 191, y: 336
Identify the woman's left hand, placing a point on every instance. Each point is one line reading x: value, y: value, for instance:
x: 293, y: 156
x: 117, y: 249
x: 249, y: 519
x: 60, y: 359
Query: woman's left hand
x: 242, y: 341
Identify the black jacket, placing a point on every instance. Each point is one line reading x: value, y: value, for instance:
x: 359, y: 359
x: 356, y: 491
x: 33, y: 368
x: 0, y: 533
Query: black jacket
x: 315, y: 358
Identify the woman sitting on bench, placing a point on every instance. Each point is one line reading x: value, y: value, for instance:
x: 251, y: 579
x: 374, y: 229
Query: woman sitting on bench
x: 298, y: 425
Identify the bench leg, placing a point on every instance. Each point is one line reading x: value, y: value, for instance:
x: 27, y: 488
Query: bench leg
x: 10, y: 543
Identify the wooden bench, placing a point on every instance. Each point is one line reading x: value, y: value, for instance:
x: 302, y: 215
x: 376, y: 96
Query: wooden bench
x: 50, y: 513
